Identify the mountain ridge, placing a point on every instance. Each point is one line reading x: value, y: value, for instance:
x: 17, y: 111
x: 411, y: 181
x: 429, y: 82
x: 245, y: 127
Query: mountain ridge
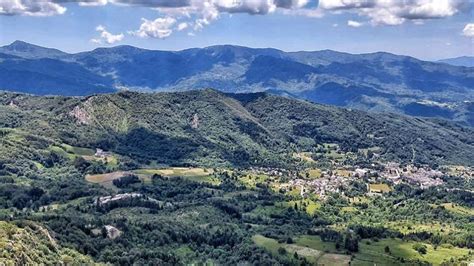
x: 466, y: 61
x: 208, y: 127
x: 375, y: 81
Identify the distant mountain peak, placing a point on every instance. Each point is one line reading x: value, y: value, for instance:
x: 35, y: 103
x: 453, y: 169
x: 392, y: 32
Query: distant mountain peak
x: 22, y: 46
x: 467, y: 61
x: 30, y: 51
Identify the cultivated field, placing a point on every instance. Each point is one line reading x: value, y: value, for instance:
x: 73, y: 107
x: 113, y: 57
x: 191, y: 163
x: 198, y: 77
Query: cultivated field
x: 379, y: 188
x: 370, y: 252
x: 375, y: 252
x: 194, y: 174
x: 312, y: 248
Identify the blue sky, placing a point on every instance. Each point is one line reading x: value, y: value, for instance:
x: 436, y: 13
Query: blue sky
x: 421, y: 28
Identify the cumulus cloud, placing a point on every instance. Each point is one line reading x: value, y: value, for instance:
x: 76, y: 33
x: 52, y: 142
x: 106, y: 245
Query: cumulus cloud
x: 354, y: 24
x: 30, y: 8
x: 193, y: 15
x: 106, y: 36
x: 159, y: 28
x: 396, y: 12
x: 468, y: 30
x: 53, y: 7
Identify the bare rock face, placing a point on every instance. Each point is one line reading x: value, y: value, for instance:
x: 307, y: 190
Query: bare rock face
x: 112, y: 232
x: 195, y: 122
x: 80, y: 113
x: 13, y: 104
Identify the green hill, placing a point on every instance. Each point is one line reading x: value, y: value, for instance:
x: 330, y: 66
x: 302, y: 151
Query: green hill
x: 33, y: 244
x: 211, y: 128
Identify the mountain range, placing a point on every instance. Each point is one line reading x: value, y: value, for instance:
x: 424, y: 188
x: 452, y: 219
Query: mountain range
x: 381, y: 82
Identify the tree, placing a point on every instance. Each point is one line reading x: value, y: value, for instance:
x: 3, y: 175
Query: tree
x: 420, y: 248
x: 351, y: 243
x: 387, y: 249
x: 281, y: 251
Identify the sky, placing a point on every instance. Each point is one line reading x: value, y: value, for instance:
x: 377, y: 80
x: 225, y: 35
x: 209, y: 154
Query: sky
x: 426, y: 29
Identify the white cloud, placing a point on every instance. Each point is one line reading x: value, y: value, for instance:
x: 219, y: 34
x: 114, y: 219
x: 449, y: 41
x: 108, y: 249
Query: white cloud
x: 30, y: 8
x: 93, y: 2
x: 106, y: 36
x: 345, y: 4
x: 396, y: 12
x: 468, y: 30
x: 194, y: 15
x: 159, y: 28
x: 182, y: 26
x: 54, y: 7
x: 354, y: 24
x: 304, y: 12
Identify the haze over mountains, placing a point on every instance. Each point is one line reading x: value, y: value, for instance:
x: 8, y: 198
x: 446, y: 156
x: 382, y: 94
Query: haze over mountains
x: 375, y: 82
x: 467, y: 61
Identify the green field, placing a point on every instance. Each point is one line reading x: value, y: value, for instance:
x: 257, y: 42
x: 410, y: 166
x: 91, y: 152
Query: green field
x: 193, y: 174
x: 407, y: 226
x: 312, y: 248
x: 78, y: 150
x: 370, y: 252
x: 374, y: 253
x: 312, y: 173
x: 201, y: 175
x: 315, y: 242
x: 310, y: 205
x: 457, y: 209
x: 72, y: 152
x: 251, y: 180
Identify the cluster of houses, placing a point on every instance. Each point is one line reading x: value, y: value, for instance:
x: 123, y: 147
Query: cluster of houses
x: 321, y: 186
x: 392, y: 173
x: 423, y: 177
x: 274, y: 172
x: 100, y: 153
x: 108, y: 199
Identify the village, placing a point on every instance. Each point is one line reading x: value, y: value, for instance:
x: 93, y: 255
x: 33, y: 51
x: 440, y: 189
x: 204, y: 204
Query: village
x: 380, y: 179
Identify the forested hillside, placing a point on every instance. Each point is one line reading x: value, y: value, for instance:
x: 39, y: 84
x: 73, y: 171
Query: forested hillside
x: 208, y: 127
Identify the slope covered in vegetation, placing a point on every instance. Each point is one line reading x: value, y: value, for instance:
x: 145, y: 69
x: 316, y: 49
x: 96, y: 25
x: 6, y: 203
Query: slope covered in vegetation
x: 273, y: 181
x: 207, y: 128
x: 32, y: 244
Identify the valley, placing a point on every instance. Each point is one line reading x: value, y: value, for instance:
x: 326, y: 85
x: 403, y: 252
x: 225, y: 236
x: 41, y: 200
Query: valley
x: 213, y: 178
x: 237, y: 132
